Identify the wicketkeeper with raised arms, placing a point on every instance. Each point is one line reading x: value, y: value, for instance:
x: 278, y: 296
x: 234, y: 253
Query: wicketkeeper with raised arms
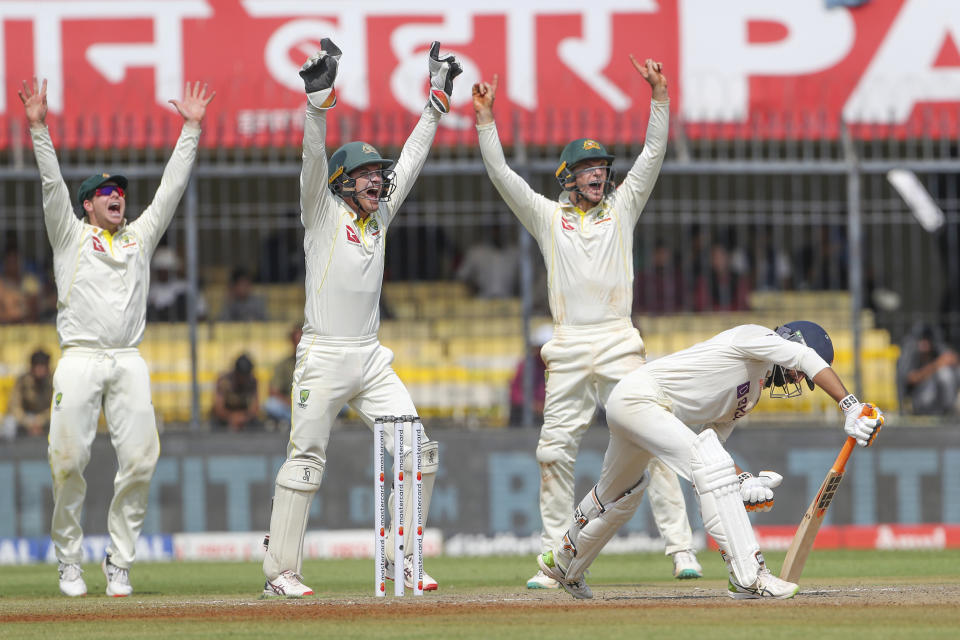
x: 713, y: 383
x: 347, y: 205
x: 101, y: 266
x: 587, y: 243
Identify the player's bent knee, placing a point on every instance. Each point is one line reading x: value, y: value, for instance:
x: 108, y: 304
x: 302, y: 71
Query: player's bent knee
x: 300, y: 474
x: 429, y: 457
x: 712, y: 467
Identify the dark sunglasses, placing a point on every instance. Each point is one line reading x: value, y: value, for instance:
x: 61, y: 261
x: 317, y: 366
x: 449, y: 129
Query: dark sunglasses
x: 109, y: 189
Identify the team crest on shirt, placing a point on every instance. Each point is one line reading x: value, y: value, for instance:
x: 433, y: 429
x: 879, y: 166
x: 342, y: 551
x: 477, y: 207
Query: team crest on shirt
x: 128, y: 242
x: 352, y: 235
x: 304, y: 394
x: 56, y: 400
x: 602, y: 216
x: 373, y: 227
x: 98, y: 245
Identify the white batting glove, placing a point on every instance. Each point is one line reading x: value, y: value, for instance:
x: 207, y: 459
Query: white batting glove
x: 862, y: 422
x: 442, y: 73
x: 319, y: 73
x: 757, y: 491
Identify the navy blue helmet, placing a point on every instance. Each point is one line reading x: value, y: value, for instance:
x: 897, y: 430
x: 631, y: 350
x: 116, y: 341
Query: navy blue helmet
x: 806, y: 333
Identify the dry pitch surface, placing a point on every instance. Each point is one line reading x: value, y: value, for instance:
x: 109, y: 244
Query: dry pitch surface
x: 839, y: 607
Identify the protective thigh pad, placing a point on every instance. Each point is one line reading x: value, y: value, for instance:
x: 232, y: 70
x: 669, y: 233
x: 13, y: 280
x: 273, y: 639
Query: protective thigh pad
x: 724, y: 517
x: 430, y: 451
x: 594, y: 525
x: 297, y: 481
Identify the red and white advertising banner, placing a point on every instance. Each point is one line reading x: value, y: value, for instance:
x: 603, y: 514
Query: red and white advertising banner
x: 936, y: 537
x: 737, y: 68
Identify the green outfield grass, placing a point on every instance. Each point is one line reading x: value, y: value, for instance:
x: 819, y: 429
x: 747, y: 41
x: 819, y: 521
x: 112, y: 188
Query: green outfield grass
x: 845, y: 594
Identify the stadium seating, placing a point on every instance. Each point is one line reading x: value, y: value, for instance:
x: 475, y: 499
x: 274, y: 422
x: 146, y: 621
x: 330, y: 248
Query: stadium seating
x: 457, y: 354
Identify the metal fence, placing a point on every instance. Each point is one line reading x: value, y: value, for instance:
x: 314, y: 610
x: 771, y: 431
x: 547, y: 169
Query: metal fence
x: 738, y: 229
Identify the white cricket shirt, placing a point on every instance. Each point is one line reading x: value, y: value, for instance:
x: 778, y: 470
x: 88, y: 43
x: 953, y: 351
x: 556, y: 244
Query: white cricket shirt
x: 588, y: 255
x: 344, y: 254
x: 720, y: 380
x: 103, y: 278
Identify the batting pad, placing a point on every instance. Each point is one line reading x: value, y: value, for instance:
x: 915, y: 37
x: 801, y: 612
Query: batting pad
x: 428, y: 468
x: 724, y: 517
x: 297, y: 481
x: 594, y: 525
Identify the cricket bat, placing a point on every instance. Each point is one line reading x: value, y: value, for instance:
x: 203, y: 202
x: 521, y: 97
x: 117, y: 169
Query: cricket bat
x: 817, y: 511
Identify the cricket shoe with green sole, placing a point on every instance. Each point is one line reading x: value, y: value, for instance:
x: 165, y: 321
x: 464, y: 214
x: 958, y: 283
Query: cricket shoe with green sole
x: 577, y: 588
x: 685, y: 566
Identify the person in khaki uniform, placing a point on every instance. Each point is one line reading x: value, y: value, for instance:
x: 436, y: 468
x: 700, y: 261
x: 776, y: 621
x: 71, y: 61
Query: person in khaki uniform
x: 102, y: 270
x: 587, y: 243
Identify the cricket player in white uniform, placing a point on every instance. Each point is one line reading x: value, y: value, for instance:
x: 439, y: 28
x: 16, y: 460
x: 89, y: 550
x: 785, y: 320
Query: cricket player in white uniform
x: 587, y: 243
x: 713, y: 384
x: 347, y: 207
x: 102, y: 270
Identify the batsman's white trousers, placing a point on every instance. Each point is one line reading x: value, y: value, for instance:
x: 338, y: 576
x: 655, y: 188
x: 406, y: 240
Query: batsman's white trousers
x: 117, y: 380
x: 642, y: 426
x: 584, y: 364
x: 332, y: 372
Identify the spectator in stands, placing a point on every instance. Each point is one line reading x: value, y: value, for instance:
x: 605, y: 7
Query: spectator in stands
x: 169, y: 290
x: 490, y: 266
x: 659, y: 288
x: 823, y: 261
x: 242, y: 305
x: 29, y: 403
x: 236, y: 405
x: 538, y: 338
x: 277, y: 406
x: 721, y: 289
x: 18, y: 295
x: 928, y: 373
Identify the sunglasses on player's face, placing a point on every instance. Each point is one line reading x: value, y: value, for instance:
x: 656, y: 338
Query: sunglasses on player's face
x: 110, y: 189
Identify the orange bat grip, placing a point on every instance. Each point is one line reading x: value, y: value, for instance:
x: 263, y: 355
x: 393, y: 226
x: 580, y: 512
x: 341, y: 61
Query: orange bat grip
x: 845, y: 452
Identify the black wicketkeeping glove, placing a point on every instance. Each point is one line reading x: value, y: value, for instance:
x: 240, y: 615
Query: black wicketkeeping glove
x: 319, y: 73
x: 442, y: 73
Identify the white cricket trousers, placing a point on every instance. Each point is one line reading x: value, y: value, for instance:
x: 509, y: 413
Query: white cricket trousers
x: 87, y: 379
x: 584, y: 364
x: 332, y: 372
x: 642, y: 426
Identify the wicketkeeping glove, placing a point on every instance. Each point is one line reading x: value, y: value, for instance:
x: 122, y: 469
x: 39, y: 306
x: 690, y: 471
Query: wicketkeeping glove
x: 442, y: 73
x: 863, y: 421
x: 757, y: 492
x: 319, y: 72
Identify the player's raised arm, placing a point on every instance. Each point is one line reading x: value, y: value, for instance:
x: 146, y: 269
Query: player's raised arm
x: 319, y: 73
x: 640, y: 180
x: 57, y: 212
x: 442, y: 71
x: 522, y: 200
x: 156, y: 217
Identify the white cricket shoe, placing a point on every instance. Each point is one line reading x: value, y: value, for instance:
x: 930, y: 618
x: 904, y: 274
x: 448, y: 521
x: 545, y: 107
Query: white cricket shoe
x: 766, y: 585
x: 287, y: 585
x: 542, y: 581
x: 71, y: 580
x: 118, y: 579
x: 577, y: 588
x: 685, y: 565
x: 429, y: 584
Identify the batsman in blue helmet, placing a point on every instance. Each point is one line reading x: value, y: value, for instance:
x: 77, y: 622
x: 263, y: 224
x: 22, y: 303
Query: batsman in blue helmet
x: 713, y: 384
